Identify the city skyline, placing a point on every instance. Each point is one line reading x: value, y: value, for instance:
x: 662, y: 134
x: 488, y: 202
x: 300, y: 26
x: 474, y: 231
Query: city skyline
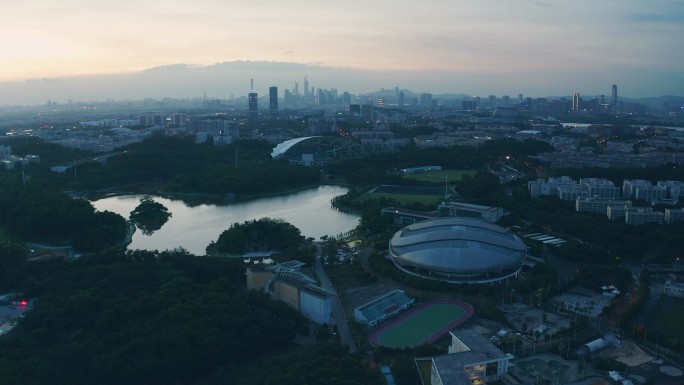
x: 536, y: 48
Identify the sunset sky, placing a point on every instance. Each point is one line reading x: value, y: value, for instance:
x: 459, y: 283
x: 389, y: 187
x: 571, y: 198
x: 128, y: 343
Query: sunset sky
x: 546, y: 47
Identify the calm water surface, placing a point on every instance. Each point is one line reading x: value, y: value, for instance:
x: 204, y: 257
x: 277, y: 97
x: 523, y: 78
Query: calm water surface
x: 193, y: 228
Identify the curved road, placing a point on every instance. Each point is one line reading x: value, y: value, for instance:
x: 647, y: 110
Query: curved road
x: 338, y: 312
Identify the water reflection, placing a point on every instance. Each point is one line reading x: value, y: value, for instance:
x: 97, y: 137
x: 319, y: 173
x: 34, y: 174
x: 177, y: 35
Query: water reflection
x: 193, y: 228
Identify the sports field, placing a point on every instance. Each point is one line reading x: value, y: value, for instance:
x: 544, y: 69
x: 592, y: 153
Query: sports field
x: 428, y: 195
x: 401, y: 198
x: 424, y: 324
x: 439, y: 176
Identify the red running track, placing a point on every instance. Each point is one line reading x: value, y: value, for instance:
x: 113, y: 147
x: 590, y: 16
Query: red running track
x: 374, y: 337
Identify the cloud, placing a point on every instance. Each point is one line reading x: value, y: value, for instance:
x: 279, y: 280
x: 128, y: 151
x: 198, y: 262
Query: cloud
x: 169, y: 67
x: 43, y: 80
x: 663, y: 17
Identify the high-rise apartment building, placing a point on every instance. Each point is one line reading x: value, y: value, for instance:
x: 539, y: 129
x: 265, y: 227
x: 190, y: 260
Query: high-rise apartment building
x: 253, y: 98
x: 273, y: 101
x: 614, y: 99
x: 306, y: 90
x: 425, y: 100
x: 576, y: 101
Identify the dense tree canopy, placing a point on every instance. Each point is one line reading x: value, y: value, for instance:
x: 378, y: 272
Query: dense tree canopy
x: 263, y: 234
x: 39, y: 213
x: 377, y: 169
x: 176, y: 319
x: 12, y: 263
x: 181, y: 166
x: 149, y: 216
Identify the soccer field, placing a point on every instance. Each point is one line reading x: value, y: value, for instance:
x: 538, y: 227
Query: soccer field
x: 439, y: 176
x: 424, y: 324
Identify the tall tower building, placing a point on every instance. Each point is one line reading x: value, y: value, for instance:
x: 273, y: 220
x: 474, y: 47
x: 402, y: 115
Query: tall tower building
x: 492, y: 101
x: 575, y: 101
x: 425, y: 101
x: 306, y: 90
x: 614, y: 99
x: 477, y: 100
x: 273, y: 101
x: 253, y: 98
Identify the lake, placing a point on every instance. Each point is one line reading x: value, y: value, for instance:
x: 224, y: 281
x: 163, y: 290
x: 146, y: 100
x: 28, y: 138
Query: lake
x: 193, y: 228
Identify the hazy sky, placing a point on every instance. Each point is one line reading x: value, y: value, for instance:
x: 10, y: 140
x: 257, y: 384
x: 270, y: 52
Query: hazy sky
x: 470, y: 46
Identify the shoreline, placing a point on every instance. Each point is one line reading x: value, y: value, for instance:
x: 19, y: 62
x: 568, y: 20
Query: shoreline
x: 203, y: 198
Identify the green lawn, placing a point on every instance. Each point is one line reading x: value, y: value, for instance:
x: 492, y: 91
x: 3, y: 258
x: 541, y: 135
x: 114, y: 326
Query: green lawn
x: 439, y: 176
x: 421, y: 326
x: 401, y: 198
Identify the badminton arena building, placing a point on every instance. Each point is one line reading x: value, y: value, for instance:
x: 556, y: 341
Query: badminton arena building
x: 458, y: 250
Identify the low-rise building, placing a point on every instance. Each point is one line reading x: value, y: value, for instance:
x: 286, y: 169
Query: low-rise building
x: 674, y: 289
x: 674, y: 215
x: 642, y: 215
x: 472, y: 359
x: 285, y: 282
x: 460, y: 209
x: 675, y: 189
x: 616, y: 212
x: 598, y: 205
x: 602, y: 188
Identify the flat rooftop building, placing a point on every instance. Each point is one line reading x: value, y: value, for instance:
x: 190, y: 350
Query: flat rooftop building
x: 472, y: 359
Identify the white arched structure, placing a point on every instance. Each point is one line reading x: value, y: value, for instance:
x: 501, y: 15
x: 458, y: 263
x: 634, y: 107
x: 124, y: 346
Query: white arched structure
x: 281, y: 148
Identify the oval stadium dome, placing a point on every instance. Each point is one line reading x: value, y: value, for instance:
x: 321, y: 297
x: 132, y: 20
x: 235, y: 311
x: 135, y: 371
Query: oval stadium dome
x: 458, y: 250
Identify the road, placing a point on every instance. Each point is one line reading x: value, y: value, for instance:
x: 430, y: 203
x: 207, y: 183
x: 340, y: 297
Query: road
x: 338, y: 312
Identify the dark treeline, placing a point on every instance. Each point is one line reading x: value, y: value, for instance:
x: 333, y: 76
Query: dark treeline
x: 173, y: 164
x: 180, y: 165
x: 39, y: 213
x: 603, y: 241
x: 263, y: 234
x: 376, y: 170
x: 172, y: 319
x: 12, y: 264
x: 618, y: 175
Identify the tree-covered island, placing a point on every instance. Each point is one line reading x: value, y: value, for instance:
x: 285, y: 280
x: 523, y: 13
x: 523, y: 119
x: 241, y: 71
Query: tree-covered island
x: 149, y: 216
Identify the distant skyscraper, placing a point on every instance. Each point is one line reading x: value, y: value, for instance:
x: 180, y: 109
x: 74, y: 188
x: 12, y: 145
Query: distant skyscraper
x: 506, y: 100
x: 492, y: 101
x: 273, y: 101
x: 614, y: 99
x: 253, y: 103
x: 575, y: 101
x: 425, y: 100
x: 306, y: 90
x: 520, y: 98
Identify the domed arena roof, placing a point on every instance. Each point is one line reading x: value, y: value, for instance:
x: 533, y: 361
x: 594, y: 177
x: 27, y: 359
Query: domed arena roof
x: 281, y: 148
x: 458, y: 250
